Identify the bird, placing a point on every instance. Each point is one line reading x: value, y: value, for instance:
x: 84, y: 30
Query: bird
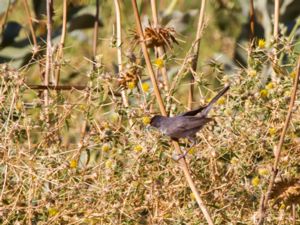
x: 187, y: 124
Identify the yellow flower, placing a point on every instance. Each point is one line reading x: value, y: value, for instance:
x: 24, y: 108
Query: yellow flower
x: 145, y: 87
x: 192, y: 196
x: 83, y: 107
x: 272, y: 131
x: 293, y: 74
x: 264, y: 93
x: 228, y: 112
x: 138, y: 148
x: 105, y: 147
x: 73, y: 164
x: 108, y: 164
x: 146, y: 120
x: 252, y: 73
x: 287, y: 94
x: 131, y: 85
x: 114, y: 116
x: 208, y: 99
x: 19, y: 105
x: 255, y: 181
x: 270, y: 86
x: 282, y: 206
x: 234, y: 161
x: 52, y: 211
x: 105, y: 124
x: 221, y: 101
x: 159, y: 63
x: 261, y: 43
x: 192, y: 151
x: 263, y: 171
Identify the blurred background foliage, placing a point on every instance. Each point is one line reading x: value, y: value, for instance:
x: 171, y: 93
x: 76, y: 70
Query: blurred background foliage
x: 83, y: 162
x: 225, y: 40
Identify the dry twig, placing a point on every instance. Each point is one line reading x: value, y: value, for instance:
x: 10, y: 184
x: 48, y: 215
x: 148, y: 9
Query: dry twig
x: 182, y: 161
x: 265, y: 197
x: 196, y: 53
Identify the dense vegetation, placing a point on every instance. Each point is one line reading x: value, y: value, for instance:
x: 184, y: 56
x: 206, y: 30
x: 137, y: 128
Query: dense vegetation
x: 76, y: 102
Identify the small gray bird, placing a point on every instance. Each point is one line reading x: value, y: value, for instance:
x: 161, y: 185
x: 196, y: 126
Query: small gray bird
x: 186, y: 124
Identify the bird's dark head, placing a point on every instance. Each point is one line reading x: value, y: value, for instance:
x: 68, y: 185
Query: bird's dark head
x: 156, y: 121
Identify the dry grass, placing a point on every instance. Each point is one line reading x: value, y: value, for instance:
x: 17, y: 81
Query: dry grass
x: 56, y: 170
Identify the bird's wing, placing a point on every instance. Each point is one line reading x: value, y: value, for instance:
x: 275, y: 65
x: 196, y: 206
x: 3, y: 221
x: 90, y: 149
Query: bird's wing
x: 194, y: 122
x: 205, y: 109
x: 209, y: 106
x: 193, y: 112
x: 187, y: 126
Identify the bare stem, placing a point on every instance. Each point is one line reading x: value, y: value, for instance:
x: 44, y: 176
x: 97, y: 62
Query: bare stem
x: 62, y: 42
x: 276, y: 19
x: 95, y: 38
x: 36, y: 48
x: 159, y: 50
x: 294, y: 214
x: 252, y: 19
x: 264, y: 203
x: 196, y: 53
x: 49, y: 50
x: 147, y: 59
x: 119, y: 50
x: 4, y: 18
x: 182, y: 161
x: 275, y: 29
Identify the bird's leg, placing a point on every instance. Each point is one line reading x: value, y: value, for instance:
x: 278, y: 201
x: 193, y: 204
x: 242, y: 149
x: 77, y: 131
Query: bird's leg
x: 186, y: 152
x: 193, y: 141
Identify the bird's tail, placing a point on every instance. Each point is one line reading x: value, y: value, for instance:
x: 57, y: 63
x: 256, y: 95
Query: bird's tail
x: 209, y: 106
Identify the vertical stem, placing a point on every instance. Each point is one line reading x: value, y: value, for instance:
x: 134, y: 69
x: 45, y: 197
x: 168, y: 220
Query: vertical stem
x: 5, y: 172
x: 119, y: 37
x: 31, y: 27
x: 276, y: 19
x: 81, y: 143
x: 275, y: 29
x: 147, y: 59
x: 119, y: 51
x: 294, y: 213
x: 154, y: 12
x: 264, y: 204
x: 36, y: 47
x: 159, y: 50
x: 252, y: 19
x: 171, y: 7
x: 95, y: 38
x: 196, y: 53
x: 191, y: 93
x: 4, y: 18
x: 49, y: 52
x: 182, y: 161
x: 89, y: 94
x: 62, y: 42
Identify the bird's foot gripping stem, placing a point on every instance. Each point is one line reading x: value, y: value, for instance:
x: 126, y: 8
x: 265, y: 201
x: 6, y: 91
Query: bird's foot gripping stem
x: 183, y: 155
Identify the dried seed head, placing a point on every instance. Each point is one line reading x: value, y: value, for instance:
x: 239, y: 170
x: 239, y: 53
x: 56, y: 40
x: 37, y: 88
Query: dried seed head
x: 286, y: 192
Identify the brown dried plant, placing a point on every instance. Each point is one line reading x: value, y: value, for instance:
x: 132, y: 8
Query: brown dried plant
x: 129, y: 77
x: 286, y: 192
x: 157, y: 37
